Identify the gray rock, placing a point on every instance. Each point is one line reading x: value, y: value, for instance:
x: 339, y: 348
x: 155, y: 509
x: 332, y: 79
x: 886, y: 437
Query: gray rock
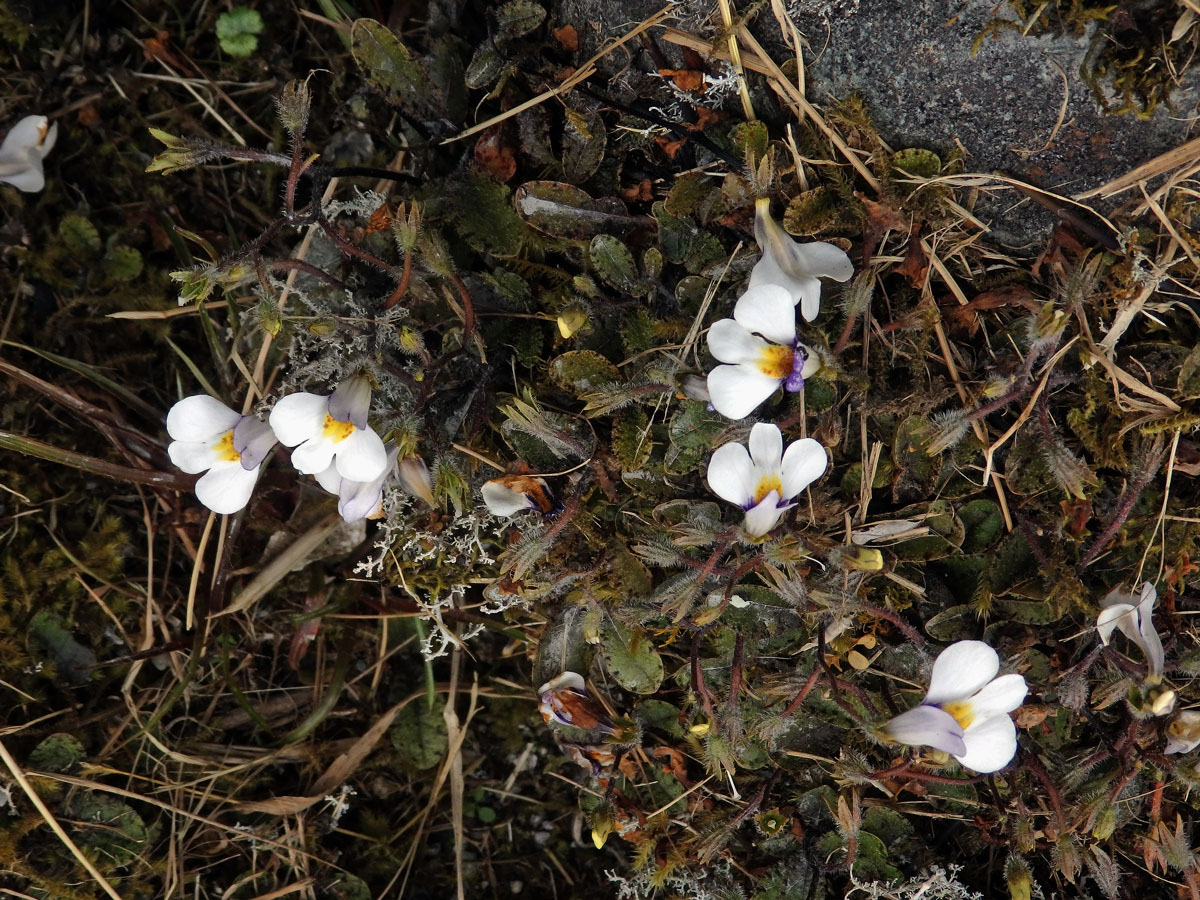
x: 923, y: 88
x: 911, y: 63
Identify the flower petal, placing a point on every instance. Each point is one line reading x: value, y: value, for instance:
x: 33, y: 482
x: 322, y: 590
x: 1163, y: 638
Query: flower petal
x: 351, y: 402
x: 768, y: 310
x: 193, y: 457
x: 812, y: 361
x: 736, y: 391
x: 313, y: 456
x: 1111, y: 617
x: 25, y: 175
x: 818, y: 259
x: 49, y: 140
x: 808, y: 295
x: 253, y: 440
x: 766, y: 448
x: 28, y: 134
x: 927, y: 726
x: 200, y: 418
x: 360, y: 499
x: 767, y: 272
x: 999, y: 696
x: 731, y: 474
x: 766, y: 515
x: 299, y: 417
x: 566, y: 681
x: 24, y: 148
x: 960, y: 671
x: 730, y: 342
x: 991, y: 744
x: 330, y: 480
x: 804, y: 462
x: 227, y: 487
x: 502, y: 500
x: 1151, y: 645
x: 361, y: 456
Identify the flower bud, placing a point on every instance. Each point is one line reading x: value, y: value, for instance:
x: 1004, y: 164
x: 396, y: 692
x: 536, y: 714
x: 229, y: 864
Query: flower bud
x: 415, y: 477
x: 269, y: 317
x: 406, y: 226
x: 293, y: 107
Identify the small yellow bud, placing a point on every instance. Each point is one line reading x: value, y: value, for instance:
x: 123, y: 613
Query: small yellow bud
x: 570, y: 320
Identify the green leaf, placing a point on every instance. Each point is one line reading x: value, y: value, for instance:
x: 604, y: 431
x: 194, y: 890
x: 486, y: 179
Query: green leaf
x: 484, y: 211
x: 79, y: 234
x: 517, y: 18
x: 238, y: 31
x: 109, y: 829
x: 631, y: 441
x: 919, y: 162
x: 812, y: 212
x: 564, y: 211
x: 689, y: 192
x: 915, y: 469
x: 691, y: 432
x: 614, y: 263
x: 583, y: 144
x: 121, y: 263
x: 661, y: 715
x: 564, y: 646
x: 631, y: 658
x: 984, y: 524
x: 387, y: 63
x: 683, y: 242
x: 581, y: 371
x: 751, y: 138
x: 61, y: 753
x: 486, y: 66
x: 953, y: 624
x: 419, y: 735
x: 73, y: 660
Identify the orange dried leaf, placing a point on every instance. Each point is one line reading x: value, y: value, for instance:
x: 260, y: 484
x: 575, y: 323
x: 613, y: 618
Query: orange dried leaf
x: 567, y: 37
x: 685, y: 79
x: 381, y: 219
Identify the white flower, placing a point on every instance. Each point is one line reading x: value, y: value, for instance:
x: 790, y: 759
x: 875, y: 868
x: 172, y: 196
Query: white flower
x: 795, y: 266
x: 210, y: 437
x: 762, y: 350
x: 23, y: 150
x: 763, y: 479
x: 331, y: 430
x: 358, y: 500
x: 1134, y: 616
x: 511, y: 494
x: 1184, y: 732
x: 965, y: 712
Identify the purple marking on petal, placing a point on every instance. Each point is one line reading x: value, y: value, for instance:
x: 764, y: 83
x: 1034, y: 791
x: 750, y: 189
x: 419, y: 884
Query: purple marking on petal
x: 253, y: 440
x: 795, y: 382
x: 351, y: 402
x: 930, y: 726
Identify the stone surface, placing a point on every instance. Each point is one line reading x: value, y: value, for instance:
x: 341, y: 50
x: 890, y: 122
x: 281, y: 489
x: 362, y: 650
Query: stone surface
x: 911, y: 63
x: 923, y: 88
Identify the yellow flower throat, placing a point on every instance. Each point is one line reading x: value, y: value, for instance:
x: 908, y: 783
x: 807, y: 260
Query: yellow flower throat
x: 765, y: 485
x: 224, y: 448
x: 776, y: 361
x: 962, y: 712
x: 336, y: 431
